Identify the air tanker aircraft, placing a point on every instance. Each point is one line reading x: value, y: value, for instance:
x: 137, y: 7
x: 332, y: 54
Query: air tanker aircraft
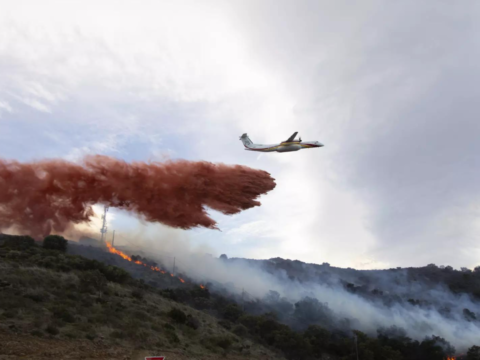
x: 288, y: 145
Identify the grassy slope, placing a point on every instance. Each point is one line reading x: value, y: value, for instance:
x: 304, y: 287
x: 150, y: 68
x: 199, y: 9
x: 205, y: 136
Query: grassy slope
x: 78, y: 312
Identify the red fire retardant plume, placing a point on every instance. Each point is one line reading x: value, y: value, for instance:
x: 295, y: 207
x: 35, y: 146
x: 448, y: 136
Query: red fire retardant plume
x: 48, y: 196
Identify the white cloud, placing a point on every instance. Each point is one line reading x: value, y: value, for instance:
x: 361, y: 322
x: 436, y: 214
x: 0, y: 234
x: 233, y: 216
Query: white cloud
x: 5, y: 107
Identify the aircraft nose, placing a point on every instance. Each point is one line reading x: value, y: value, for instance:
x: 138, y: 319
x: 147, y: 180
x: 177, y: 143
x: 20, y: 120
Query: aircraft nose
x: 320, y: 144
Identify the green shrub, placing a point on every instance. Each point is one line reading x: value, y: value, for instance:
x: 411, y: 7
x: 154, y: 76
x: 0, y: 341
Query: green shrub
x: 474, y: 352
x: 10, y: 313
x: 72, y: 334
x: 318, y: 337
x: 202, y: 303
x: 170, y: 327
x: 55, y: 242
x: 178, y: 316
x: 92, y: 280
x: 52, y: 330
x: 117, y: 334
x: 64, y: 315
x: 137, y: 294
x: 240, y: 330
x: 225, y: 324
x: 157, y: 327
x: 232, y: 312
x: 18, y: 242
x: 85, y: 327
x: 13, y: 255
x: 172, y: 337
x: 141, y: 315
x: 192, y: 322
x: 223, y: 342
x: 115, y: 274
x: 36, y: 332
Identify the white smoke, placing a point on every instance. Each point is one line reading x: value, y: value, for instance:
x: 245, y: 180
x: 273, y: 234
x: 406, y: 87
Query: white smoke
x: 201, y: 263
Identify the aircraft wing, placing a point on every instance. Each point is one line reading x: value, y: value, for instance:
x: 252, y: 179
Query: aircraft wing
x: 291, y: 138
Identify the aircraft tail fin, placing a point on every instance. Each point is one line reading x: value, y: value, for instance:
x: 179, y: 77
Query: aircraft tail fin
x: 246, y: 140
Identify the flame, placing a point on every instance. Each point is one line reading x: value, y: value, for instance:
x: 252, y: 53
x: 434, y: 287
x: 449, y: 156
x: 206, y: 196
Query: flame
x: 450, y: 358
x: 153, y: 268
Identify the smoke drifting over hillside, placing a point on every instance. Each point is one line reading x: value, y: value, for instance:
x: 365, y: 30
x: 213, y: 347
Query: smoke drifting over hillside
x: 48, y: 196
x: 417, y: 301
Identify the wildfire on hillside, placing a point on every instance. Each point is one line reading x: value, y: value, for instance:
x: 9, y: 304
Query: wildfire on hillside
x: 112, y: 250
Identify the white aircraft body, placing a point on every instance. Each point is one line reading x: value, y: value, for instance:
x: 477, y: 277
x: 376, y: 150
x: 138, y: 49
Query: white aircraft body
x: 289, y: 145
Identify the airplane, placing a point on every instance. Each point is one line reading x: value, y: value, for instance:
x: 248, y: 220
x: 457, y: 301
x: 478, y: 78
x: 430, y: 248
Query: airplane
x: 288, y: 145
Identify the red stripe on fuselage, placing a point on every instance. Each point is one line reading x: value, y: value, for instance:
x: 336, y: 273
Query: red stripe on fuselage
x: 281, y: 144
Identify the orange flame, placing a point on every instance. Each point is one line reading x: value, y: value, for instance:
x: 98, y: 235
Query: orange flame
x: 118, y: 252
x: 450, y: 358
x: 153, y: 268
x: 126, y: 257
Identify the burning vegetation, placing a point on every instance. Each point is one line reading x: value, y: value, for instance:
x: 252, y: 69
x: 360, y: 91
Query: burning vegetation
x: 49, y: 196
x: 112, y: 250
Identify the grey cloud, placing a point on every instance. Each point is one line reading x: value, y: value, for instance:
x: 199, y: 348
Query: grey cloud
x: 396, y: 85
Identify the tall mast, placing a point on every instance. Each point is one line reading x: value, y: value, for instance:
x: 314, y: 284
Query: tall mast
x: 103, y: 230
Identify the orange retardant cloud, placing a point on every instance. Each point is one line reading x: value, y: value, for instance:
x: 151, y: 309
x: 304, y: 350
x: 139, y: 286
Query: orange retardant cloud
x: 47, y: 196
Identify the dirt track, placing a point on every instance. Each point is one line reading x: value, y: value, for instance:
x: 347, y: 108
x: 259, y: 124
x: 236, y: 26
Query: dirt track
x: 27, y: 347
x: 13, y: 347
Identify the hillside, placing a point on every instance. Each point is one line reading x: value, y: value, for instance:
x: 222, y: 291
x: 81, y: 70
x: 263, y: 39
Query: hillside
x: 465, y: 280
x: 107, y: 305
x: 52, y: 304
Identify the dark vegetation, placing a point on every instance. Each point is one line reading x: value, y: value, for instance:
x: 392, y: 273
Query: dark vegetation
x: 391, y: 343
x: 365, y: 282
x: 47, y: 292
x: 437, y: 290
x: 55, y: 242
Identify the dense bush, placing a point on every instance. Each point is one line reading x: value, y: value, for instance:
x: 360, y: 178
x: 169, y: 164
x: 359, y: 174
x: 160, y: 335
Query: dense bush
x: 192, y: 322
x: 52, y: 330
x: 240, y: 330
x: 318, y: 338
x: 232, y: 312
x: 55, y: 242
x: 178, y: 315
x: 473, y: 353
x: 63, y: 314
x: 17, y: 242
x: 68, y: 263
x: 92, y: 280
x: 223, y: 342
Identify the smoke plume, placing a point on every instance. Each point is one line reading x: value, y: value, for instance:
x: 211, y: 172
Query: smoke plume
x: 48, y: 196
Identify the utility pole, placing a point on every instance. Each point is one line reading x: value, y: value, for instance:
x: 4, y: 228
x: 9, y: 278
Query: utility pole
x: 113, y: 237
x: 103, y: 230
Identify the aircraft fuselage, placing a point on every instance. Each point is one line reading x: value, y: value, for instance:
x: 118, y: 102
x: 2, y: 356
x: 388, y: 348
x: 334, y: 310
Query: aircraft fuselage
x: 284, y: 146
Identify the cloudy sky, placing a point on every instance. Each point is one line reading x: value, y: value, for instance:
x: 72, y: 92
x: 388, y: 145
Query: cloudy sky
x: 390, y: 88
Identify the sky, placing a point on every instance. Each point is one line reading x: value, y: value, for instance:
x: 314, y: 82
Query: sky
x: 390, y: 88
